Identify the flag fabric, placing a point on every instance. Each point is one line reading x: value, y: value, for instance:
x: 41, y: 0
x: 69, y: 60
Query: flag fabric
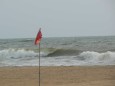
x: 38, y: 37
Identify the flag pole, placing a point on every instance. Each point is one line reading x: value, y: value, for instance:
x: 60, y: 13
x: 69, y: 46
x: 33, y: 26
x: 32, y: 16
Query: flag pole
x: 39, y: 64
x: 37, y: 41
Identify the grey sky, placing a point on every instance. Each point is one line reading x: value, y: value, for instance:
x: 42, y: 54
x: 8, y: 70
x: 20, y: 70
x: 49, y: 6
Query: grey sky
x: 22, y: 18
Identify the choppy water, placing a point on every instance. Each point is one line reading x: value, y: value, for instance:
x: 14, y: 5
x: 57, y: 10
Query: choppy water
x: 66, y: 51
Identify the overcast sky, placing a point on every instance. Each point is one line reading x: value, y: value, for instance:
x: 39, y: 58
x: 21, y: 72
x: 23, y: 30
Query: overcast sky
x: 57, y: 18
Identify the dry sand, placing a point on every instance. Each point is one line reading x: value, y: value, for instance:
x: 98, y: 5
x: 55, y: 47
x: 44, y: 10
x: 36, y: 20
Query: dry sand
x: 58, y: 76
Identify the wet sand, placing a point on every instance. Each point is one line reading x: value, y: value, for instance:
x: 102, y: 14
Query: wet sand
x: 58, y: 76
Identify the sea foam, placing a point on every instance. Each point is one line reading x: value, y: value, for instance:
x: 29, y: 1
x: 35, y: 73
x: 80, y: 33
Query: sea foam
x: 25, y: 57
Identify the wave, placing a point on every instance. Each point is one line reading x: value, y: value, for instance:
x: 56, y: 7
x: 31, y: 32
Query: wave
x: 52, y: 52
x: 18, y: 53
x: 16, y: 57
x: 63, y: 52
x: 97, y: 58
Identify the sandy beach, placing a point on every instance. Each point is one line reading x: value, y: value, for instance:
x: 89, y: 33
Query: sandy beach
x: 58, y: 76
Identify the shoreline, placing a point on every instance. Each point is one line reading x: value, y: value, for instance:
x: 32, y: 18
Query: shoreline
x: 58, y: 76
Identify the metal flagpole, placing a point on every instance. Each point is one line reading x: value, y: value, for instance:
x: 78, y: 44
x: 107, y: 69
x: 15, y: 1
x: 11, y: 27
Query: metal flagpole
x: 37, y: 41
x: 39, y: 64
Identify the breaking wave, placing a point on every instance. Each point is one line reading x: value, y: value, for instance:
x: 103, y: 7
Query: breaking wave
x: 63, y: 52
x: 92, y: 57
x: 19, y: 53
x: 55, y: 57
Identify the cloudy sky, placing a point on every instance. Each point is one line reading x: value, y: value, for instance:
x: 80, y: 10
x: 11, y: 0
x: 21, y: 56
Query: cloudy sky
x: 57, y: 18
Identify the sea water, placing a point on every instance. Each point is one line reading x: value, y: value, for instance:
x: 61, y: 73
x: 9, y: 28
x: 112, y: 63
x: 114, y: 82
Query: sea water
x: 58, y: 51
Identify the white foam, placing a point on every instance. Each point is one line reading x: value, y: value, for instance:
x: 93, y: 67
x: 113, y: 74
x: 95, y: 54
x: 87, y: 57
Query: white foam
x: 18, y: 53
x: 91, y: 57
x: 22, y: 57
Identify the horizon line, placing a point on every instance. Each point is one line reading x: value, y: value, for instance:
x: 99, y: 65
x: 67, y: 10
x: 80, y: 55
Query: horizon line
x: 58, y: 37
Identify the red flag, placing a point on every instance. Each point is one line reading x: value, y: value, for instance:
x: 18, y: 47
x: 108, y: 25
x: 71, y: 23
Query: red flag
x: 38, y: 37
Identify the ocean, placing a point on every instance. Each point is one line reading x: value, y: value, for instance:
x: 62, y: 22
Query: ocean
x: 58, y: 51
